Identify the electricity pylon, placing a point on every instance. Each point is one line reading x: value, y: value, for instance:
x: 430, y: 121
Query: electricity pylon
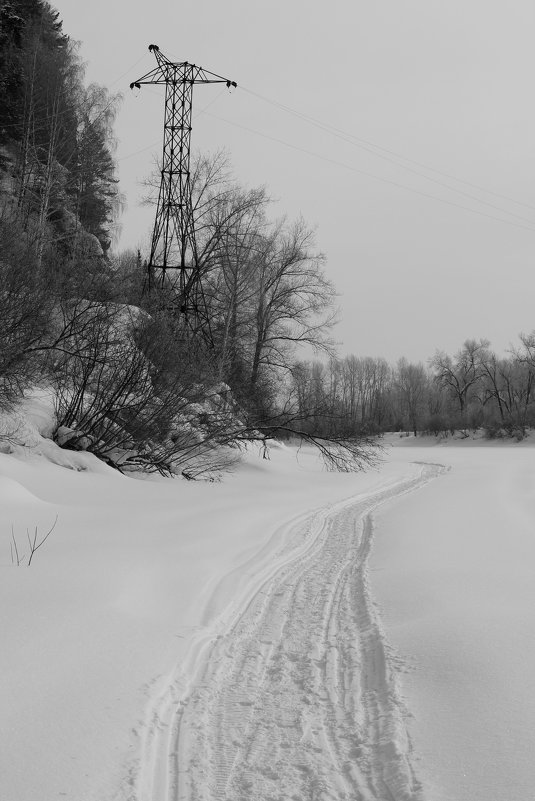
x: 173, y: 245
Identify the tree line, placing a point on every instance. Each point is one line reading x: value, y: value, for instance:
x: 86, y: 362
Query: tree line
x: 473, y: 389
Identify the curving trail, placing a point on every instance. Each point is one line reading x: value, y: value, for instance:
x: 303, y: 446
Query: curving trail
x: 296, y: 697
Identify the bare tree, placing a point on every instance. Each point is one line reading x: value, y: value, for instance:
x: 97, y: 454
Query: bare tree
x: 519, y: 378
x: 50, y: 76
x: 364, y: 386
x: 230, y: 286
x: 293, y: 303
x: 25, y: 307
x: 411, y: 382
x: 460, y: 376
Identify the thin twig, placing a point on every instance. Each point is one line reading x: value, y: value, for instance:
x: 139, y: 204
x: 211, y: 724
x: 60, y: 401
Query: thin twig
x: 14, y: 550
x: 34, y: 545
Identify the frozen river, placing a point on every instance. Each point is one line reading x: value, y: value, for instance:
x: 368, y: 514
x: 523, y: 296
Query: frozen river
x: 453, y: 569
x: 286, y: 634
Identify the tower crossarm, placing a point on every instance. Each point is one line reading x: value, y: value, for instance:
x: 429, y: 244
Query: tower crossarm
x: 181, y: 71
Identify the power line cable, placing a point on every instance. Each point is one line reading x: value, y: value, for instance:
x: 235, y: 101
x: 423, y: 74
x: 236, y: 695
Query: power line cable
x: 366, y: 144
x: 373, y: 175
x: 391, y: 158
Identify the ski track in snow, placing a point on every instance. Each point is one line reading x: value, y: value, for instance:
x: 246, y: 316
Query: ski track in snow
x: 294, y: 693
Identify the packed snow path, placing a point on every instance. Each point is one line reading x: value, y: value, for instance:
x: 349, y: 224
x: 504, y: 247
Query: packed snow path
x: 296, y: 697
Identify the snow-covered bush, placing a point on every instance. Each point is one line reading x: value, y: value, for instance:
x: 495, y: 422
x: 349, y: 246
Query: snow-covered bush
x: 116, y: 396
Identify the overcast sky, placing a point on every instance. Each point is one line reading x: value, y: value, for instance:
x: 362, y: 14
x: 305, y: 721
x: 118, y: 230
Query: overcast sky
x: 423, y: 255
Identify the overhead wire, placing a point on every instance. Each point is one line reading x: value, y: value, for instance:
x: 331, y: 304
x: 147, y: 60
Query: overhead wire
x: 372, y: 147
x: 373, y: 175
x: 129, y: 70
x: 428, y: 177
x: 530, y: 225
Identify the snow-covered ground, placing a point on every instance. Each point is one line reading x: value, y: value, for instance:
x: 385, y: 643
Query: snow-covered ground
x: 179, y: 640
x: 453, y: 568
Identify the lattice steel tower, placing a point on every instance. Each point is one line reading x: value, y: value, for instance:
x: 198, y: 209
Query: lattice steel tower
x: 173, y: 245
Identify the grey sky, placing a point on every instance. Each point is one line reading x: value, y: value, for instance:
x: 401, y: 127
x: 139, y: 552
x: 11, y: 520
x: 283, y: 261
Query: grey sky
x: 445, y: 84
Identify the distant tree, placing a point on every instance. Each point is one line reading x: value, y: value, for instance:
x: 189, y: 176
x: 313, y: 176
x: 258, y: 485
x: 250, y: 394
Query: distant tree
x: 411, y: 382
x: 364, y: 386
x: 461, y: 375
x: 522, y: 370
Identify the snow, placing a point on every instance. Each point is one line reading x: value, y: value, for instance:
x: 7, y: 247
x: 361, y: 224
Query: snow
x: 245, y: 627
x: 454, y: 571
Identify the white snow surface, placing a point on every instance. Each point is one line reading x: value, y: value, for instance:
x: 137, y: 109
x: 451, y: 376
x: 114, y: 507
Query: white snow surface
x: 454, y: 570
x: 237, y: 640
